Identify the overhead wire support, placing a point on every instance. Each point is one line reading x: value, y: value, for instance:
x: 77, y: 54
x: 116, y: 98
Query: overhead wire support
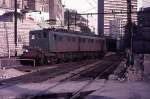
x: 68, y: 18
x: 129, y: 20
x: 75, y: 20
x: 88, y: 10
x: 130, y: 58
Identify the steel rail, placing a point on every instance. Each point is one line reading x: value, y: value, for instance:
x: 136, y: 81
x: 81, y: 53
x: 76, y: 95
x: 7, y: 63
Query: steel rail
x: 62, y: 81
x: 77, y: 93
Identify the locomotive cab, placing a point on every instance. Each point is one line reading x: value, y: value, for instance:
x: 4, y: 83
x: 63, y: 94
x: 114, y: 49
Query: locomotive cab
x: 32, y: 53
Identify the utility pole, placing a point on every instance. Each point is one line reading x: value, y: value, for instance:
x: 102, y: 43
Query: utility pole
x: 129, y: 22
x: 15, y: 27
x: 134, y: 60
x: 68, y: 14
x: 101, y: 17
x: 4, y: 3
x: 76, y: 20
x: 22, y: 4
x: 87, y: 20
x: 5, y: 27
x: 129, y: 39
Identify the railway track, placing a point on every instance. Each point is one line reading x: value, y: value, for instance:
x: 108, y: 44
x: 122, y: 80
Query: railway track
x: 100, y: 70
x: 43, y: 75
x: 109, y: 65
x: 97, y: 74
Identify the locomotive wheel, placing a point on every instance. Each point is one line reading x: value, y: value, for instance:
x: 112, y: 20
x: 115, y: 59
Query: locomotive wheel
x: 39, y: 61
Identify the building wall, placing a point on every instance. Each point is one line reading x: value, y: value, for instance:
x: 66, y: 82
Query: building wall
x: 141, y: 40
x: 6, y: 3
x: 10, y: 3
x: 39, y: 5
x: 25, y: 25
x: 116, y: 6
x: 76, y: 21
x: 7, y: 34
x: 56, y: 12
x: 144, y: 22
x: 54, y: 7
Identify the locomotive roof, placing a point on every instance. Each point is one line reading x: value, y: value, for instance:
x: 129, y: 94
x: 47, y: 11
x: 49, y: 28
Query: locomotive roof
x: 68, y: 32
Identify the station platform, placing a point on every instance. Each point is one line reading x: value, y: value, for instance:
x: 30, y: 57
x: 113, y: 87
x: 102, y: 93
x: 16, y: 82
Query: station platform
x: 126, y: 90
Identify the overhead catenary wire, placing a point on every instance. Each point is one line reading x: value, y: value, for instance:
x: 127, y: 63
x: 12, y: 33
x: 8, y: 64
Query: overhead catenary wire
x: 88, y: 10
x: 96, y: 13
x: 15, y: 27
x: 94, y: 1
x: 90, y: 3
x: 92, y: 7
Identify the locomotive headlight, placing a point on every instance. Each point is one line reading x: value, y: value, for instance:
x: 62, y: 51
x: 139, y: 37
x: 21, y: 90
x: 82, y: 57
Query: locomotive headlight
x: 26, y: 50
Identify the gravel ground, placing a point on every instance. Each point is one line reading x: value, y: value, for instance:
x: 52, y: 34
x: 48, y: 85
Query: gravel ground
x: 10, y: 73
x: 134, y: 73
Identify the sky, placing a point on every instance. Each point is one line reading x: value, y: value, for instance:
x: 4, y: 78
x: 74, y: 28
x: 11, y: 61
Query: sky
x: 81, y: 5
x: 84, y: 6
x: 90, y: 5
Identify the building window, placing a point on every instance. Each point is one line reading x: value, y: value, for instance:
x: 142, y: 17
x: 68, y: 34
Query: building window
x: 55, y: 37
x: 32, y: 37
x: 19, y: 38
x: 45, y: 35
x: 39, y: 35
x: 58, y: 38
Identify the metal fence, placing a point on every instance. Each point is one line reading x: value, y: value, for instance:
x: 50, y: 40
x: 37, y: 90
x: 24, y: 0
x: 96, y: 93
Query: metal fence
x: 13, y: 62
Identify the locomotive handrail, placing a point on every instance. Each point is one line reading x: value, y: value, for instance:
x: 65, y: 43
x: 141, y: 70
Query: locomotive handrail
x: 18, y: 60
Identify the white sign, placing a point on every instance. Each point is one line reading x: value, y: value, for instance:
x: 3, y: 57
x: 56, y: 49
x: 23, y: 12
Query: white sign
x: 37, y: 16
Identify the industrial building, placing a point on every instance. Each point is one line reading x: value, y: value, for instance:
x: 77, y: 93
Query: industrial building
x: 36, y: 18
x: 74, y: 21
x: 142, y: 37
x: 54, y: 7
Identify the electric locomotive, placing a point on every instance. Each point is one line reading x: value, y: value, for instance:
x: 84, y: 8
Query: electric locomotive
x: 48, y: 46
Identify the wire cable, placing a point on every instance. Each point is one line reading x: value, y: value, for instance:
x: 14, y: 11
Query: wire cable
x: 88, y: 10
x: 90, y: 3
